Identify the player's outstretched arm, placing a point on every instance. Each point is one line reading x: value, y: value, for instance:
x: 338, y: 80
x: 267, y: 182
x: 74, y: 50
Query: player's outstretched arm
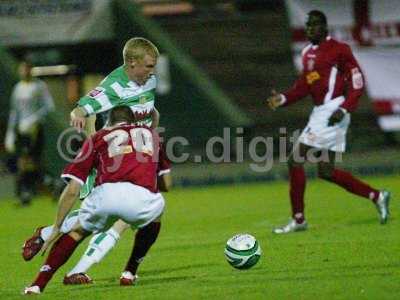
x: 275, y: 100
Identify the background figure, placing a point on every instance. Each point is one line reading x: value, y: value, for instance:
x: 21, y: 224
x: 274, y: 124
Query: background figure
x: 30, y: 103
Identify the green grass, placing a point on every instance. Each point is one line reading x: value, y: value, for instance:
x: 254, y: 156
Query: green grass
x: 345, y: 254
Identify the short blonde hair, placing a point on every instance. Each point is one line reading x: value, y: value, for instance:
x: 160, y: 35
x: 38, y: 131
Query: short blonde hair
x: 137, y: 47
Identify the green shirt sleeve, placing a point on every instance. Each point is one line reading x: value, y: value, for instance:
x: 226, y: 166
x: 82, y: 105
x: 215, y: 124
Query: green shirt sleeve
x: 100, y: 99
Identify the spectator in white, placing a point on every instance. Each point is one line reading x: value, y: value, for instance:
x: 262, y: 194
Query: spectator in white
x: 30, y: 103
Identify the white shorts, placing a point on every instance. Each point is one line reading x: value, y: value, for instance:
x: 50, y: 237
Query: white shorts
x: 70, y: 220
x: 109, y: 202
x: 319, y: 135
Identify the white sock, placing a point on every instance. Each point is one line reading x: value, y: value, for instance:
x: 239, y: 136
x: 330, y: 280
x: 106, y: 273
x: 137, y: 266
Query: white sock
x: 70, y: 221
x: 46, y: 232
x: 67, y: 225
x: 99, y: 246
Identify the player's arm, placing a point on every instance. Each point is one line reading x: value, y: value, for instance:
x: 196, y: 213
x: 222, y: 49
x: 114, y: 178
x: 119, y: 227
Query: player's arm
x: 354, y: 79
x: 12, y: 122
x: 164, y: 182
x: 355, y: 84
x: 164, y: 178
x: 298, y: 91
x: 100, y: 99
x: 78, y: 118
x: 82, y: 121
x: 67, y: 201
x: 90, y: 126
x: 76, y: 174
x: 47, y: 100
x: 155, y: 118
x: 65, y: 204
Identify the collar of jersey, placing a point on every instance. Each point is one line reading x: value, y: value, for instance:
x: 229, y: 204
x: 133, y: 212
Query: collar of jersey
x: 315, y: 47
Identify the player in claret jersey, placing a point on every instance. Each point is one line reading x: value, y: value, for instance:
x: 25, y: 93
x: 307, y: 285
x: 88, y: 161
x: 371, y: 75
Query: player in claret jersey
x: 126, y: 159
x: 104, y: 241
x: 333, y: 78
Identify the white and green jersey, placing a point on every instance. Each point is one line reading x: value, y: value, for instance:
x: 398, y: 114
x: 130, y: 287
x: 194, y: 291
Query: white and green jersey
x: 116, y: 90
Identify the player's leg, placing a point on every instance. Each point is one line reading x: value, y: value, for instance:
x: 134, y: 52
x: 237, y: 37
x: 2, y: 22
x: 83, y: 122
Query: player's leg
x: 327, y: 171
x: 86, y: 189
x: 25, y: 178
x: 33, y: 244
x: 144, y: 213
x: 98, y: 247
x: 297, y: 185
x: 29, y: 164
x: 60, y: 252
x: 93, y: 216
x: 145, y: 237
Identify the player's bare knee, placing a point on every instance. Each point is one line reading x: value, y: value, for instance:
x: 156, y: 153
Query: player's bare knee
x: 78, y: 234
x: 120, y: 226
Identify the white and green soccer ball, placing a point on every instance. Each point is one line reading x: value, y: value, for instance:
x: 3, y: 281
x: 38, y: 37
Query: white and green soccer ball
x: 242, y: 251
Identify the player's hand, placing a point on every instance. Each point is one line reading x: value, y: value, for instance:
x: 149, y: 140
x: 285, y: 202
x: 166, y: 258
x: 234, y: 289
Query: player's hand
x: 336, y: 117
x: 274, y: 100
x: 78, y: 123
x: 53, y: 237
x: 78, y: 119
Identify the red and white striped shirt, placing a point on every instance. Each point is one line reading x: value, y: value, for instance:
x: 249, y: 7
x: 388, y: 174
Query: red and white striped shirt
x: 329, y: 70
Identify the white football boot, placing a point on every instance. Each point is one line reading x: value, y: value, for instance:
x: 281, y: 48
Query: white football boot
x: 127, y: 278
x: 382, y: 205
x: 32, y: 290
x: 292, y: 226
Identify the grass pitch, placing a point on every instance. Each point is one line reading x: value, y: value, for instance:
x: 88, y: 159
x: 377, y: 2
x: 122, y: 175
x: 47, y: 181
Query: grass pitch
x: 345, y: 254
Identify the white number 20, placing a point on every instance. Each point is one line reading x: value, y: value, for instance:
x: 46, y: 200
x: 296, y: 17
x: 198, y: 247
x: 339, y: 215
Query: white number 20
x: 142, y: 141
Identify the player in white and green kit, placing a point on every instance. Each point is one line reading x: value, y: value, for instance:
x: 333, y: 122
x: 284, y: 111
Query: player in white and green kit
x: 131, y: 84
x: 115, y: 90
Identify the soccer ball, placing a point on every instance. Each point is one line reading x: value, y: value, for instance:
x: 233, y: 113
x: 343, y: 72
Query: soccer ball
x: 242, y: 251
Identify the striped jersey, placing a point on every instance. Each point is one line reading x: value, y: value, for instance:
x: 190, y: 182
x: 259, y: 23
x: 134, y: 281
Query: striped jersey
x: 116, y: 90
x: 329, y: 71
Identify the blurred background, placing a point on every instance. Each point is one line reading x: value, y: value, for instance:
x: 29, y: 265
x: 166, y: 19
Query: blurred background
x: 220, y: 60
